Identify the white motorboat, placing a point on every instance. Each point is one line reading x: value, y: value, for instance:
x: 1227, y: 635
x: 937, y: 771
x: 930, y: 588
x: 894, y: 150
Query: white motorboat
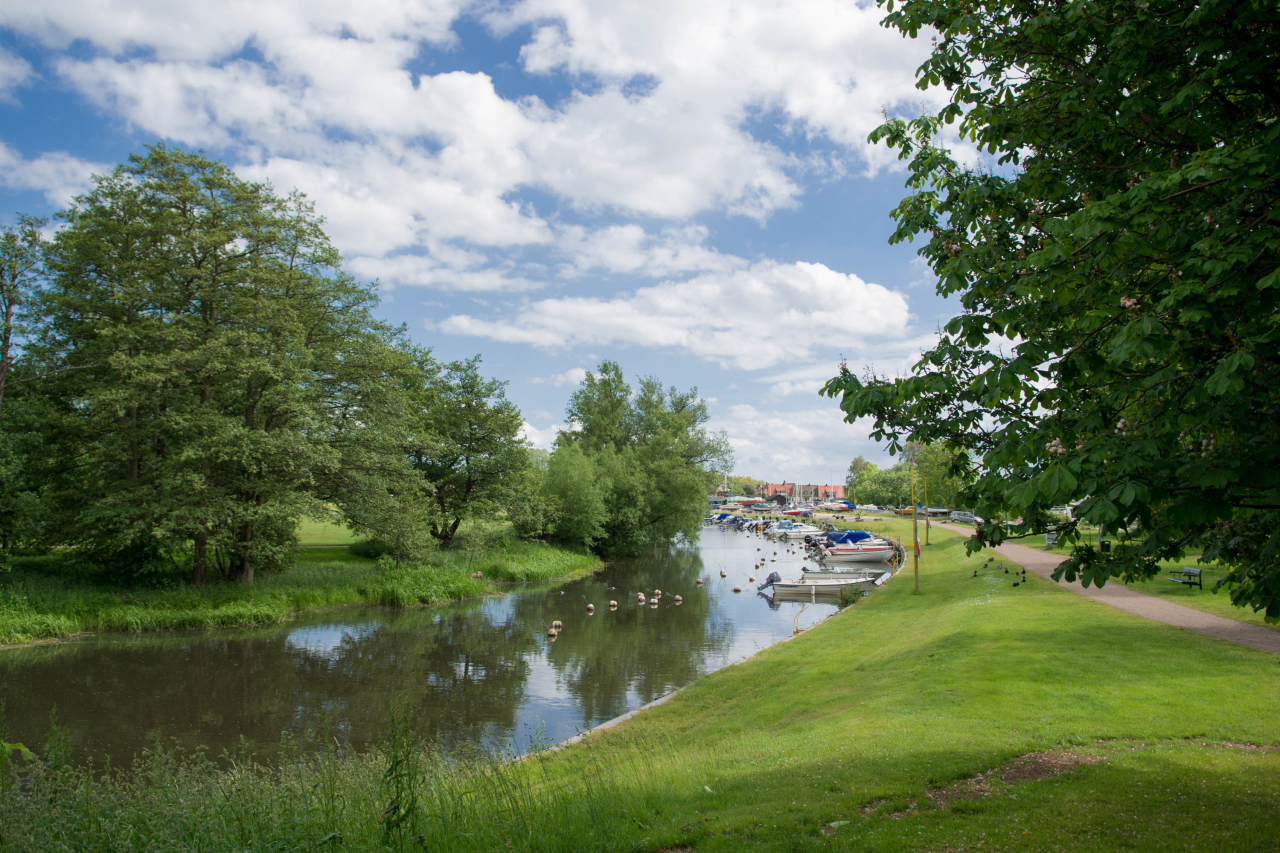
x: 866, y: 551
x: 792, y: 530
x: 851, y: 573
x: 813, y: 588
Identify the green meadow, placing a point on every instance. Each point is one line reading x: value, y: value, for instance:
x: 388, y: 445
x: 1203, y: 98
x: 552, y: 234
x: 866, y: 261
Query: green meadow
x: 973, y: 716
x: 50, y: 597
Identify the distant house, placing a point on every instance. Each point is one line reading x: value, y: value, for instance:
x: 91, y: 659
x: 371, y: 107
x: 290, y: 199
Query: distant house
x: 802, y: 492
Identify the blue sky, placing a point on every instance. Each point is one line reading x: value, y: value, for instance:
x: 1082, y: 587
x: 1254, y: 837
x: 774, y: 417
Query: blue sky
x: 685, y: 189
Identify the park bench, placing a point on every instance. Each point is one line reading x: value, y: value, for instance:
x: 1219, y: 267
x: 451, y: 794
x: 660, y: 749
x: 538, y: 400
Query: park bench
x: 1190, y: 576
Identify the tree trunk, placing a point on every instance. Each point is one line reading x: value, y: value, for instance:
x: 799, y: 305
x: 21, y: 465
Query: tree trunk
x: 199, y: 574
x: 245, y: 574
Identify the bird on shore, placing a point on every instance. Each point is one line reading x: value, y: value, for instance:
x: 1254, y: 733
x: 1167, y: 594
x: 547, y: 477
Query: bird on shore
x: 975, y: 573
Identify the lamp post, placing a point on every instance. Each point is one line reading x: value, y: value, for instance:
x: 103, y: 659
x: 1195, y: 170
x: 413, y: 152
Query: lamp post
x: 915, y: 528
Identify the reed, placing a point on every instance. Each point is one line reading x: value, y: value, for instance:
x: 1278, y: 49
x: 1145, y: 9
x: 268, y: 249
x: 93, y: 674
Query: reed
x: 405, y: 795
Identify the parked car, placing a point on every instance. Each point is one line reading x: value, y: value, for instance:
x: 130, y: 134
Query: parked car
x: 964, y: 517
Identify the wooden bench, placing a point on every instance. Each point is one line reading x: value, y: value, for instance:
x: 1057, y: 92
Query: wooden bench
x: 1190, y: 576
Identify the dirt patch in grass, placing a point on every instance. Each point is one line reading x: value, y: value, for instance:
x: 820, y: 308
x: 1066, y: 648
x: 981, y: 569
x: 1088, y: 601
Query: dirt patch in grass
x: 1247, y: 747
x: 1035, y: 766
x: 1032, y: 767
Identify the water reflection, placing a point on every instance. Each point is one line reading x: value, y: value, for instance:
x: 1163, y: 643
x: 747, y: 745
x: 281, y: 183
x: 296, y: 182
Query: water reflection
x: 481, y: 670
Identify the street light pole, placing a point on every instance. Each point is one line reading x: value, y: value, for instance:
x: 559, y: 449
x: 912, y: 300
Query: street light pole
x: 926, y: 510
x: 915, y: 528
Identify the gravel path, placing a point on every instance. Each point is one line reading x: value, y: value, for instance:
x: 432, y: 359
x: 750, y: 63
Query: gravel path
x: 1151, y: 607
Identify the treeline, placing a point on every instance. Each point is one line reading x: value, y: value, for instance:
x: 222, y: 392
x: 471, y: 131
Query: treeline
x: 892, y: 486
x: 186, y: 371
x: 631, y: 469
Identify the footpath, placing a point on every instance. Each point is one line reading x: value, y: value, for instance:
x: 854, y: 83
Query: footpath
x: 1121, y: 597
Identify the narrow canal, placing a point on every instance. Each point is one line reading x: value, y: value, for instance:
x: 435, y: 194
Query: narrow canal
x: 480, y: 671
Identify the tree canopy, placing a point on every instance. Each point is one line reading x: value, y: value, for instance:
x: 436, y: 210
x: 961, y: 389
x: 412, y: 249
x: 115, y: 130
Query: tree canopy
x: 210, y: 372
x: 649, y: 454
x: 1118, y: 272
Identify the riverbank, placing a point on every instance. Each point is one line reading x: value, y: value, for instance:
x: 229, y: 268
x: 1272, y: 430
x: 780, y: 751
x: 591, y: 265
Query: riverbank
x: 41, y: 604
x: 974, y: 716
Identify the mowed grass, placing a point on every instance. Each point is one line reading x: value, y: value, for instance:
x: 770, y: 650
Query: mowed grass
x: 43, y: 598
x: 318, y: 532
x: 877, y: 730
x: 1207, y: 600
x: 834, y: 740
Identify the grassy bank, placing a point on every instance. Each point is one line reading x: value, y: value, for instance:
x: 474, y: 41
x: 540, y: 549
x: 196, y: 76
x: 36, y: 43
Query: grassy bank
x: 975, y: 716
x: 43, y: 599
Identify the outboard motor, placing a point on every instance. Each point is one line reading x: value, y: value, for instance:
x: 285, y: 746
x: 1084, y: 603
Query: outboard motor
x: 773, y: 578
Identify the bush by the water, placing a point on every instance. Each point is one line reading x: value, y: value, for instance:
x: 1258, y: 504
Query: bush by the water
x: 371, y: 549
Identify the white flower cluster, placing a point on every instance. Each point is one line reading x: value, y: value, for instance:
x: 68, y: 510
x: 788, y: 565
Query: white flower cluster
x: 1056, y: 447
x: 1129, y: 303
x: 1122, y: 425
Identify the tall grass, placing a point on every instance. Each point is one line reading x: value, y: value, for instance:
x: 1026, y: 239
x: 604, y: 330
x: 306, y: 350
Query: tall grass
x: 45, y: 598
x: 404, y: 795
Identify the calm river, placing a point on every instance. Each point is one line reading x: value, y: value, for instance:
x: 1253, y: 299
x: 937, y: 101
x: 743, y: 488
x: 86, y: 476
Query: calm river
x: 476, y: 671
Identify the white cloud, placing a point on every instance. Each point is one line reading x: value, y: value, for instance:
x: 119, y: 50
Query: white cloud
x: 14, y: 73
x: 885, y: 357
x: 572, y: 376
x: 676, y: 112
x: 56, y: 174
x: 759, y: 316
x: 812, y: 445
x: 544, y: 439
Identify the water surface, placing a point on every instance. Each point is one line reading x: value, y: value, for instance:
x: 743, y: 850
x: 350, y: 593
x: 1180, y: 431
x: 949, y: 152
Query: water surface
x: 476, y: 671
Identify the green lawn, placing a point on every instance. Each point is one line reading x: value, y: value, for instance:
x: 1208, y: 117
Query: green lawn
x: 856, y: 720
x: 313, y: 532
x: 50, y: 597
x: 973, y: 717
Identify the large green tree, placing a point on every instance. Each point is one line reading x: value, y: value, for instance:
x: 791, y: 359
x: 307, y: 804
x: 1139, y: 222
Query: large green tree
x: 1118, y: 273
x: 651, y: 454
x: 214, y: 369
x: 21, y: 269
x: 469, y: 449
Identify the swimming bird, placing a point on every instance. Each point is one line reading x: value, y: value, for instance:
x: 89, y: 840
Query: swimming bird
x: 551, y: 632
x: 751, y: 579
x: 657, y: 593
x: 737, y: 589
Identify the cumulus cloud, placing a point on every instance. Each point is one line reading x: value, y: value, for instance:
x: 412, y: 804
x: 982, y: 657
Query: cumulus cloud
x: 669, y: 115
x: 572, y: 376
x: 14, y: 73
x: 759, y: 316
x: 812, y: 444
x: 56, y: 174
x: 543, y: 439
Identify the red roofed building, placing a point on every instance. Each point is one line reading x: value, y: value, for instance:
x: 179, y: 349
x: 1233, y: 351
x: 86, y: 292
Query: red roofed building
x: 802, y: 492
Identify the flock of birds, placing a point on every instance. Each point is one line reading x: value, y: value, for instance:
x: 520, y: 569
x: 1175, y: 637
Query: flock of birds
x: 1018, y: 579
x: 554, y: 629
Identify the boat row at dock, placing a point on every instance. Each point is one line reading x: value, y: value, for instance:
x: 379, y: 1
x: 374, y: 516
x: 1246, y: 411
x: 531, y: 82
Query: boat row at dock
x: 835, y: 562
